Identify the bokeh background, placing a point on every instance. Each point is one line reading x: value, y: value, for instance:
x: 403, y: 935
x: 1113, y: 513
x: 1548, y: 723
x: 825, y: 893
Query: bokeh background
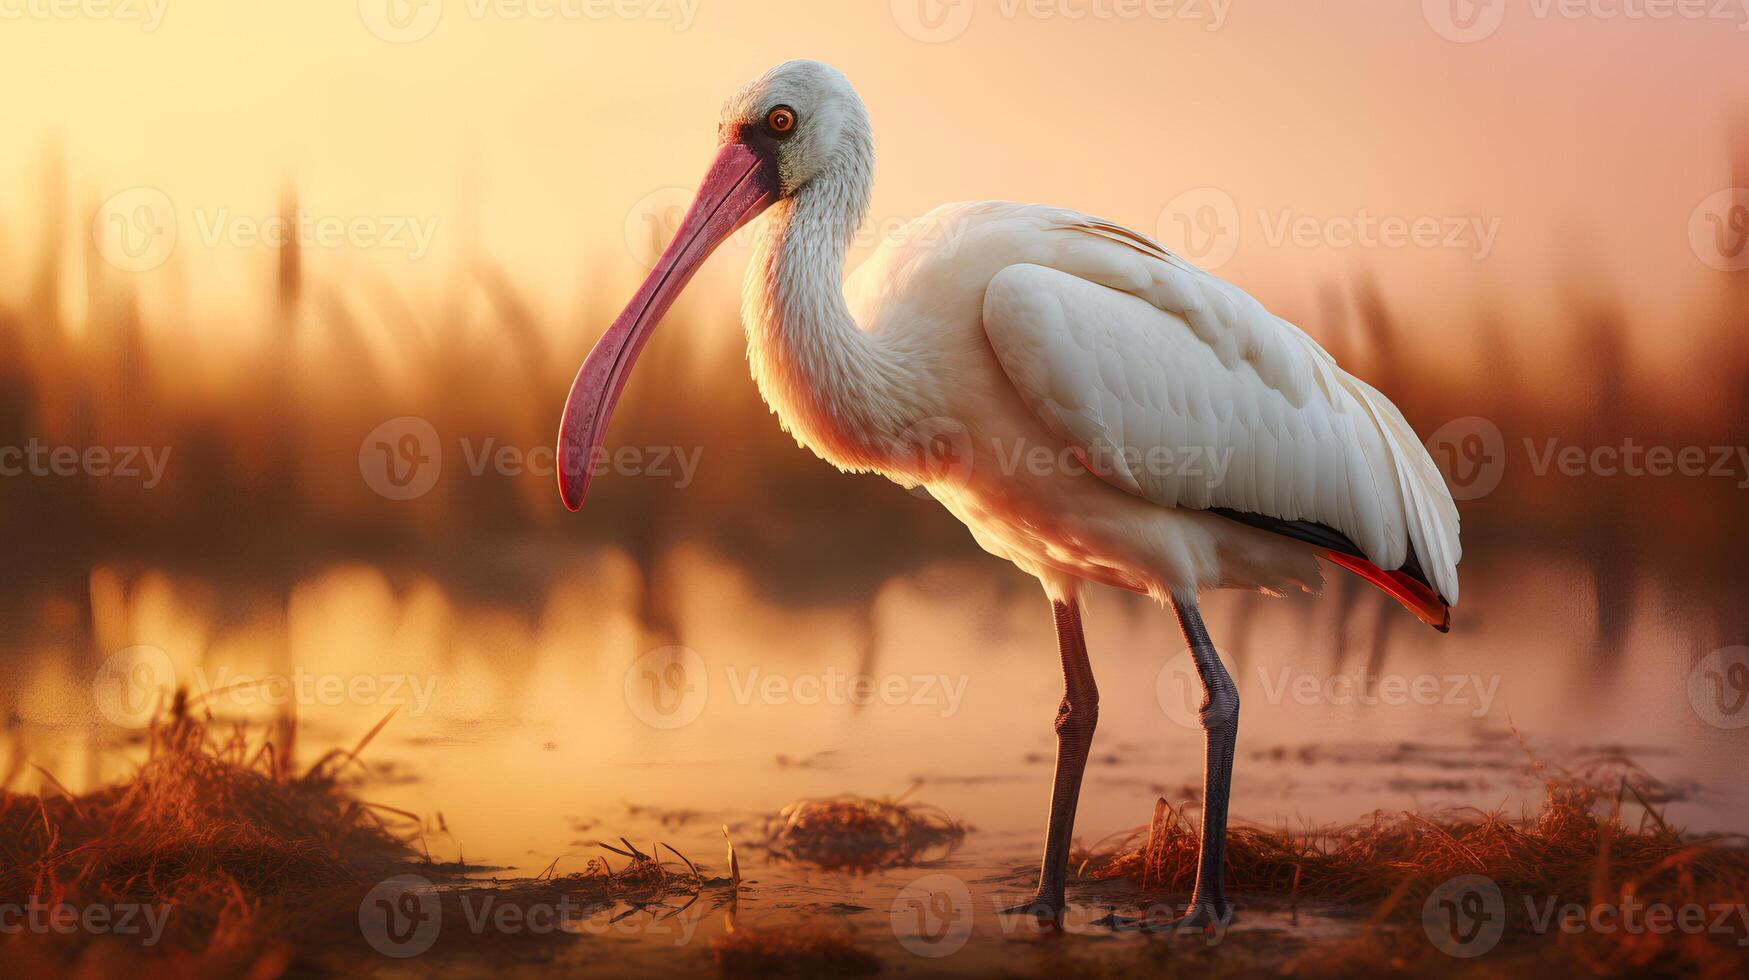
x: 351, y: 416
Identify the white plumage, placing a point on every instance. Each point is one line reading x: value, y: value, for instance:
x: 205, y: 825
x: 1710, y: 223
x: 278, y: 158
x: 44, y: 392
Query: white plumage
x: 1092, y: 408
x: 1124, y: 353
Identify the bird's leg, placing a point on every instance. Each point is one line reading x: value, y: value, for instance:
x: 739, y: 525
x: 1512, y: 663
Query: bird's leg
x: 1220, y: 726
x: 1076, y: 717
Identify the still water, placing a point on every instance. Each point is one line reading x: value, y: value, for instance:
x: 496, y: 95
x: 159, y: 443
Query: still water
x: 536, y: 729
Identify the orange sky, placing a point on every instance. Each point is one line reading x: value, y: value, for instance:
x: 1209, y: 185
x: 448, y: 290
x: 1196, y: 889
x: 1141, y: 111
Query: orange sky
x: 1584, y: 144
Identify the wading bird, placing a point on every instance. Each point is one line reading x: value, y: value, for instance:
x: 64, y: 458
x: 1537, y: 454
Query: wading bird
x: 1196, y: 440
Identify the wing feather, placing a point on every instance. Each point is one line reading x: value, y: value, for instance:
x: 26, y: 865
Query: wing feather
x: 1129, y: 353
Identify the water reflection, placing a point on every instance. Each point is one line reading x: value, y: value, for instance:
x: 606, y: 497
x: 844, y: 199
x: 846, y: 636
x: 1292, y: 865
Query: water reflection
x: 531, y: 730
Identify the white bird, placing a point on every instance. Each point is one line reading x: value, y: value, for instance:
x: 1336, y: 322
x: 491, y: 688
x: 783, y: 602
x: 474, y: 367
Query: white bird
x: 1092, y: 407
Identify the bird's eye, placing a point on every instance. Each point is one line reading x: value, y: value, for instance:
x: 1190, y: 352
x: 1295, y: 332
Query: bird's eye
x: 781, y: 120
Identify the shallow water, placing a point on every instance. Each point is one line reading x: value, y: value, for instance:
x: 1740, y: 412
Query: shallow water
x: 535, y: 732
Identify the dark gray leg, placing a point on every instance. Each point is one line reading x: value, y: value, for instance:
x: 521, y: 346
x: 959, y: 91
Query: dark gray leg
x: 1076, y: 717
x: 1220, y: 726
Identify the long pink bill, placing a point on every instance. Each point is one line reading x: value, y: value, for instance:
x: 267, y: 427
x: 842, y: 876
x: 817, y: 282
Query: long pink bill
x: 739, y: 185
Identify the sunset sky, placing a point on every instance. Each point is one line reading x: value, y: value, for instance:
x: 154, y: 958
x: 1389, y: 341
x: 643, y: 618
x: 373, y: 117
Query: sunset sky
x: 1556, y: 149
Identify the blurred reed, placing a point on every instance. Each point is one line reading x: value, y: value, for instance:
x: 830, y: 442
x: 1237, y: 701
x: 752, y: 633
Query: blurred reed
x: 264, y: 484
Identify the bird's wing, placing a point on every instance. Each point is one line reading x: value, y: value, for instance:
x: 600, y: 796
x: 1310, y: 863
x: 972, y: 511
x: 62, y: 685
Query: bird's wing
x: 1181, y: 388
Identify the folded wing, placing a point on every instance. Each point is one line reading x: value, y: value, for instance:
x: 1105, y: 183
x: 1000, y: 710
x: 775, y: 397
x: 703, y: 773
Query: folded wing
x: 1181, y: 388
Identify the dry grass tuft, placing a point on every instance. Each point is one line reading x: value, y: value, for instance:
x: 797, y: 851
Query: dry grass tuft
x: 857, y: 833
x: 1577, y: 849
x: 243, y: 853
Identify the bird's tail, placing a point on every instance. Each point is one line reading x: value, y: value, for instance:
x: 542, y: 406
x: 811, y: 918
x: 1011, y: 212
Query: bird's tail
x: 1406, y: 589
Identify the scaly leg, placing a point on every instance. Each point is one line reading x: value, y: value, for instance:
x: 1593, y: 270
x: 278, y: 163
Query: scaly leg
x: 1076, y: 717
x: 1220, y: 726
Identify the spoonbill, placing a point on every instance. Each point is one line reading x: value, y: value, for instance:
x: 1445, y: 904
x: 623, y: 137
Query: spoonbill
x: 1191, y: 439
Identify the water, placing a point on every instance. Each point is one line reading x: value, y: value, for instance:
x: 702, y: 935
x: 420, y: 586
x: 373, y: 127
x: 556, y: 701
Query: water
x: 535, y: 729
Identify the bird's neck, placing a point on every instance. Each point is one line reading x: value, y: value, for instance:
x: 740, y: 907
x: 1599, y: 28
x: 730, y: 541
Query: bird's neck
x: 842, y: 392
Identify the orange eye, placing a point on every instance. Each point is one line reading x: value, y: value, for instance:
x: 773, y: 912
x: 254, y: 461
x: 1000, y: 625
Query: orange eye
x: 781, y: 120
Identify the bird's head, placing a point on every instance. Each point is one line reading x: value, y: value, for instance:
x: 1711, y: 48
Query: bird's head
x: 782, y: 130
x: 803, y: 118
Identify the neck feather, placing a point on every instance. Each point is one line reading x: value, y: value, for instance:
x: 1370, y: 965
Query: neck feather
x: 839, y: 390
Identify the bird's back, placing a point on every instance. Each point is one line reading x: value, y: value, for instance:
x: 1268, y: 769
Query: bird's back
x: 1125, y: 351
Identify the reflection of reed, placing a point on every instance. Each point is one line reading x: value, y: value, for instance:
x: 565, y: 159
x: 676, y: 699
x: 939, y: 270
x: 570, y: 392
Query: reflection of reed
x: 265, y: 483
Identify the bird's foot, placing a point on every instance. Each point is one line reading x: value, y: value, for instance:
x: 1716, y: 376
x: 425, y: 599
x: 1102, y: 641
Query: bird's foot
x: 1205, y: 917
x: 1040, y: 907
